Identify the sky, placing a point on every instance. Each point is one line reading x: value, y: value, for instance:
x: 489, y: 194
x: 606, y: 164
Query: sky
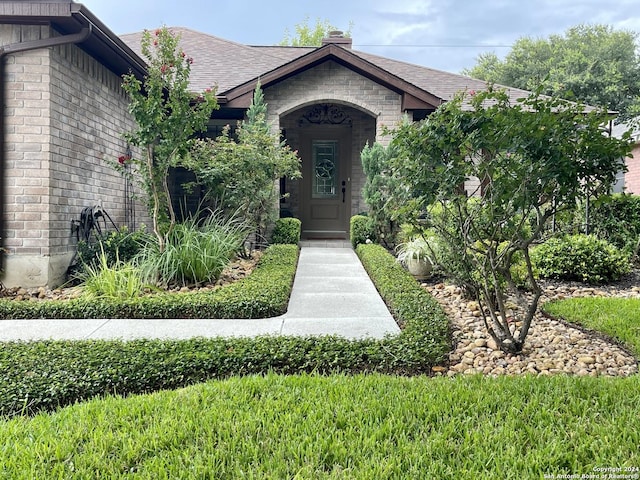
x: 442, y: 34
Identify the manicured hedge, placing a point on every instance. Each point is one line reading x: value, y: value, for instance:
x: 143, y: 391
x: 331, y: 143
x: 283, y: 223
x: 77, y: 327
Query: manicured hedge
x: 44, y: 375
x: 361, y: 229
x: 585, y: 258
x: 264, y: 293
x: 286, y: 231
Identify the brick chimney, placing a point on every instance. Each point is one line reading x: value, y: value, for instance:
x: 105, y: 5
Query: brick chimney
x: 337, y: 37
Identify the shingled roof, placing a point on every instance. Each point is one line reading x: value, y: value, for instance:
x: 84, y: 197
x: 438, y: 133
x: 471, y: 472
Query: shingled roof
x: 235, y: 68
x: 221, y: 62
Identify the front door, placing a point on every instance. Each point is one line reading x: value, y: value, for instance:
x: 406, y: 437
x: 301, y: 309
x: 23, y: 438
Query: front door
x: 326, y: 179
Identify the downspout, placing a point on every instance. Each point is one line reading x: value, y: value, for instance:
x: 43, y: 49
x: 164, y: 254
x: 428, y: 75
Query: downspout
x: 5, y: 50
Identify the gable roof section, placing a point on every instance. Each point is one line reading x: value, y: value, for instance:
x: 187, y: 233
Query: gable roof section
x: 413, y: 95
x: 443, y: 85
x: 219, y: 62
x: 236, y: 68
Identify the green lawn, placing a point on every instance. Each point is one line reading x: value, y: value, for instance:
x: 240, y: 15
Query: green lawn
x: 618, y: 318
x: 349, y: 426
x: 364, y: 426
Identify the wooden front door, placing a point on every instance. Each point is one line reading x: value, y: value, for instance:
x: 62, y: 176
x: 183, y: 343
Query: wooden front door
x: 326, y: 183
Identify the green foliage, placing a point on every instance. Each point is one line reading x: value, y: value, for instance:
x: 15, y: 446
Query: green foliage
x: 117, y: 280
x: 119, y: 245
x: 48, y: 374
x: 167, y: 114
x: 585, y: 258
x: 195, y: 251
x: 359, y: 427
x: 425, y: 336
x: 594, y: 64
x: 241, y: 176
x: 532, y: 162
x: 311, y: 35
x: 264, y: 293
x: 361, y: 229
x: 287, y: 231
x: 378, y: 192
x: 616, y: 218
x: 616, y: 317
x: 417, y: 248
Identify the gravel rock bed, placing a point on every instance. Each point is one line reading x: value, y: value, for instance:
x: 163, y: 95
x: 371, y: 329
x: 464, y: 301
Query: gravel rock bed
x: 552, y: 346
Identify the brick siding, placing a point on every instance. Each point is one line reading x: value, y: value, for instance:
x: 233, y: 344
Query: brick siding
x: 632, y: 176
x: 65, y: 117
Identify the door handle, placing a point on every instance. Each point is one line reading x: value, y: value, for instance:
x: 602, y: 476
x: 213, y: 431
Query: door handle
x: 344, y: 189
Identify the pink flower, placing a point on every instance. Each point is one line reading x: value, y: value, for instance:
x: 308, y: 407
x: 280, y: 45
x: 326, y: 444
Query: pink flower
x: 472, y: 92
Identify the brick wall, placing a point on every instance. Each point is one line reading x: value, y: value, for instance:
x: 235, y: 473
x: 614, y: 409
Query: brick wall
x: 331, y: 82
x: 632, y: 176
x: 65, y: 117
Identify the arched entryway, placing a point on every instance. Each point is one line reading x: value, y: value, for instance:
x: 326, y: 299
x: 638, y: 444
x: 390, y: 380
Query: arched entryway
x: 329, y: 138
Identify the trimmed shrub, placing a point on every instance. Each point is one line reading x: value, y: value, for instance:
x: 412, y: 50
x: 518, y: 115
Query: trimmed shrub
x: 361, y: 229
x: 286, y: 231
x: 585, y: 258
x: 425, y: 337
x: 46, y: 375
x: 264, y: 293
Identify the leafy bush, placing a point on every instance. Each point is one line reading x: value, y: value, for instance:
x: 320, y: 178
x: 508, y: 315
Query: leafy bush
x: 264, y: 293
x: 194, y: 252
x: 286, y: 231
x: 119, y: 245
x: 616, y: 218
x: 47, y: 374
x: 585, y: 258
x: 361, y: 229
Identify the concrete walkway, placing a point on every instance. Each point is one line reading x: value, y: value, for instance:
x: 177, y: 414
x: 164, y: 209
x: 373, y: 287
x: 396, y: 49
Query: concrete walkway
x: 332, y: 295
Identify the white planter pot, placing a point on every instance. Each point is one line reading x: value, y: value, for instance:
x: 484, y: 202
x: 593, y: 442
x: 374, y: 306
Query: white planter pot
x: 419, y: 268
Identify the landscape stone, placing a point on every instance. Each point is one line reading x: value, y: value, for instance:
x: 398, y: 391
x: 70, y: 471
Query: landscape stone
x: 551, y: 348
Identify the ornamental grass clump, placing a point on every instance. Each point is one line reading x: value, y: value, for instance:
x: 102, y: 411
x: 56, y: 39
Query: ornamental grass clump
x: 195, y: 252
x: 111, y: 279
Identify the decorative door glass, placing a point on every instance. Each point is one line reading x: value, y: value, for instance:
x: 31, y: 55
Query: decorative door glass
x: 325, y: 169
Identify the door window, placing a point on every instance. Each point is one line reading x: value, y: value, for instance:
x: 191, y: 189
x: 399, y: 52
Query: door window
x: 325, y: 169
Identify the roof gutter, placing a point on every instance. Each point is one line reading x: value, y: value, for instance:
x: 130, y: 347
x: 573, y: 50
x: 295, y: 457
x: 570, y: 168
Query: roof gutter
x: 138, y: 66
x: 8, y: 50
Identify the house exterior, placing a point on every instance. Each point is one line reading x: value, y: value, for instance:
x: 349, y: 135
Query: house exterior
x: 630, y: 181
x: 65, y: 112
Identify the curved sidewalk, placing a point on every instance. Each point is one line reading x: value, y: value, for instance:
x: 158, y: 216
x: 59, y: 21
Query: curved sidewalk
x: 332, y: 295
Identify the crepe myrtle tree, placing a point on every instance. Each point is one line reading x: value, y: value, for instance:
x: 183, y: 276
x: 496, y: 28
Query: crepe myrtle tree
x: 168, y: 115
x: 533, y: 157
